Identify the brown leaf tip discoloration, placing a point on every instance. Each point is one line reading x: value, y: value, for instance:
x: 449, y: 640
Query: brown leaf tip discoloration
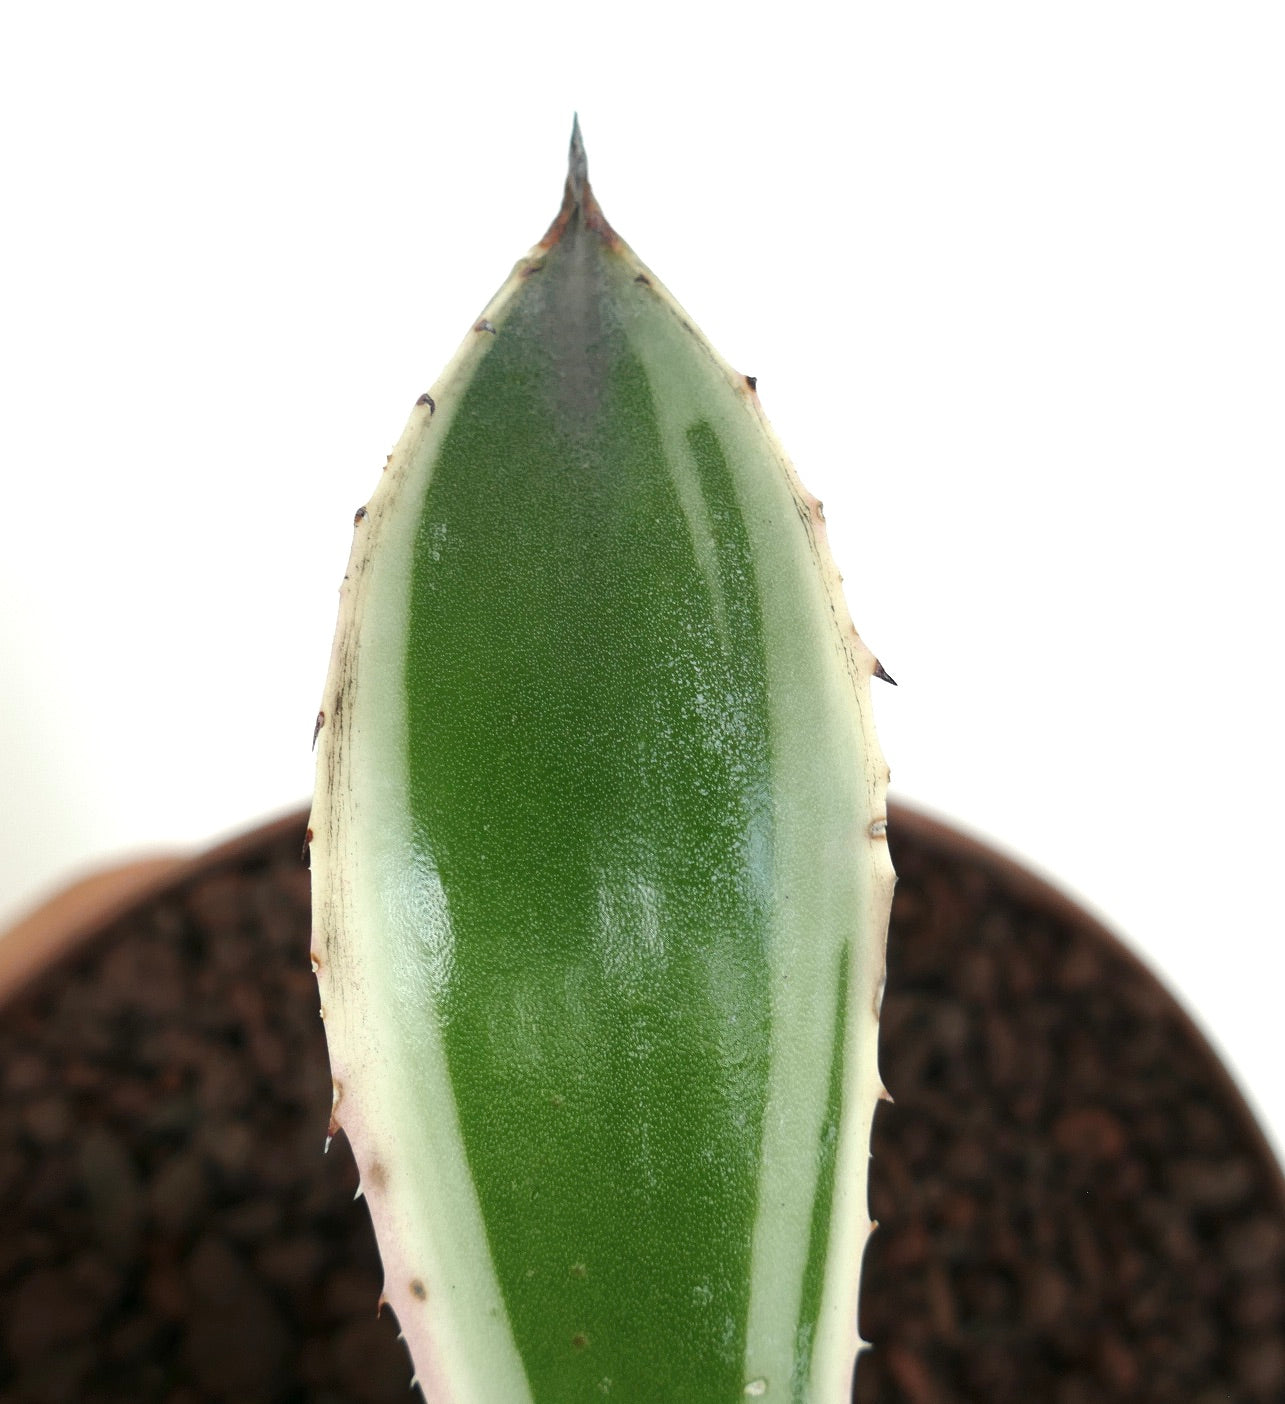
x: 424, y: 399
x: 578, y: 200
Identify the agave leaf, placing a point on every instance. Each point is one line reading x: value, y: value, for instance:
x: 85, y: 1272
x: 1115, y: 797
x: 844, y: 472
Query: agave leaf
x: 600, y: 878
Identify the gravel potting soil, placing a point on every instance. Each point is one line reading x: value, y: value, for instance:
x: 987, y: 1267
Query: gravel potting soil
x: 1074, y: 1205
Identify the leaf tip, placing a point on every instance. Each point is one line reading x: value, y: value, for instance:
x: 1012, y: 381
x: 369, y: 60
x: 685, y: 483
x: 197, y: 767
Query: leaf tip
x: 579, y: 204
x: 577, y: 161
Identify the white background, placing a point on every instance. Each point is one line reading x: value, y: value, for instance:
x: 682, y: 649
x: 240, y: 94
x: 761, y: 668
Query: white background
x: 1010, y: 277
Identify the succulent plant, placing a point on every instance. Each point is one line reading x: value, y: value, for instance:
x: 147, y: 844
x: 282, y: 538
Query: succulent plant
x: 601, y: 883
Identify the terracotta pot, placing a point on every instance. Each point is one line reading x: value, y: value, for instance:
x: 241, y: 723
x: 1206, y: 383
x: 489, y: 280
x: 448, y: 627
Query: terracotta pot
x: 1075, y: 1203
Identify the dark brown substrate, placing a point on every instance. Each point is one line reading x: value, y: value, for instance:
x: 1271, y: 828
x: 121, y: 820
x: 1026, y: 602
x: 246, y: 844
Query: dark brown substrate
x: 1074, y: 1204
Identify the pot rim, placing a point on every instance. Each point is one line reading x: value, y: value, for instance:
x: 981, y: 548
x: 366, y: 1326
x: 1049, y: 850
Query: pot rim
x: 932, y: 831
x: 59, y: 928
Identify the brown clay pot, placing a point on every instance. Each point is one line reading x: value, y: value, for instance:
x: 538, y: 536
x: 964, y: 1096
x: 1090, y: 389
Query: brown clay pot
x: 1075, y: 1204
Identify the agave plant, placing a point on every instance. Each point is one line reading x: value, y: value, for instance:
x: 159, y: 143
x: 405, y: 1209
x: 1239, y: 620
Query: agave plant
x: 601, y: 881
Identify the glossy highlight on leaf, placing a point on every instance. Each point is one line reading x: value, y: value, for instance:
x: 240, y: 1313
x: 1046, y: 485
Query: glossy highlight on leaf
x: 600, y: 878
